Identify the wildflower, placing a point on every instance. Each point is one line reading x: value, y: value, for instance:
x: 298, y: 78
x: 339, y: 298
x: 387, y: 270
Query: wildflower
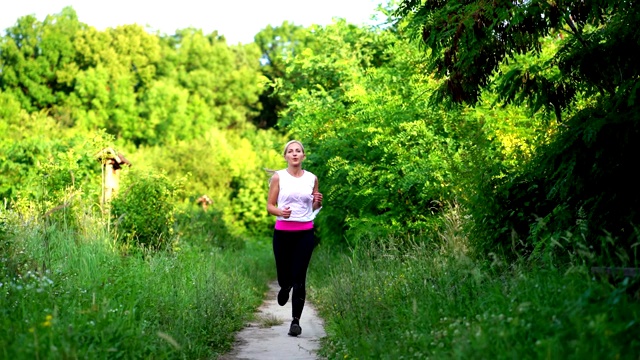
x: 47, y: 321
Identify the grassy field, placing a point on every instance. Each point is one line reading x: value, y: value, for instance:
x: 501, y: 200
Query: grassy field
x: 77, y: 294
x: 66, y: 295
x: 413, y: 301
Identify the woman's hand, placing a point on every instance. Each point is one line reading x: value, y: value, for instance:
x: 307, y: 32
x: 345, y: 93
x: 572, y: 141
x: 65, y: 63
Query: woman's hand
x: 285, y: 212
x: 317, y: 199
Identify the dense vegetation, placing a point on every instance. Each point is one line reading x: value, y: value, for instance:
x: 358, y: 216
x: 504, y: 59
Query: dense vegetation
x: 390, y: 300
x: 475, y: 158
x: 587, y: 78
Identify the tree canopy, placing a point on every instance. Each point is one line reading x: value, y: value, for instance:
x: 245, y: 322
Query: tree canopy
x: 588, y: 78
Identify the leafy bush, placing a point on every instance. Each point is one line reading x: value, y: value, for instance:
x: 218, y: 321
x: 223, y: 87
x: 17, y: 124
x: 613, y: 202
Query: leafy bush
x: 144, y: 214
x: 563, y: 192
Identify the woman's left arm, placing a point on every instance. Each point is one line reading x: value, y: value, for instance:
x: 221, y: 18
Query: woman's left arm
x: 317, y: 196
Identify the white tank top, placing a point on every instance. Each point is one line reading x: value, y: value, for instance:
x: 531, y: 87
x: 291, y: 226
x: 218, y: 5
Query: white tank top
x: 297, y: 194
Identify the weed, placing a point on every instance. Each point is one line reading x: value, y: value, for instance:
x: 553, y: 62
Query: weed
x: 268, y: 320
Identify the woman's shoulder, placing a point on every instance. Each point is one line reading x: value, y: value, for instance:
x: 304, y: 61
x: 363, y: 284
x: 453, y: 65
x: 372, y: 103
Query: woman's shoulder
x: 275, y: 175
x: 309, y: 174
x: 279, y: 174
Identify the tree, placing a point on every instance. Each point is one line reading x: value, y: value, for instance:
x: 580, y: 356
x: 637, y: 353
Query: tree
x: 114, y: 68
x: 223, y: 82
x: 278, y: 45
x: 469, y: 42
x: 579, y: 183
x: 34, y: 54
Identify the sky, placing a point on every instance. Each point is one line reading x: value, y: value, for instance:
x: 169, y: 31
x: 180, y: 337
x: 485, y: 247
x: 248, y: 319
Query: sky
x: 237, y: 20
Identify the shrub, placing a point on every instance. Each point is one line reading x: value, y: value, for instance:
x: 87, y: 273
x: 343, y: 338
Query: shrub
x: 144, y: 213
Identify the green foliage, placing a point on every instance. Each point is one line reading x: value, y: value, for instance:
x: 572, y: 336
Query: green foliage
x: 249, y: 182
x: 498, y: 145
x: 113, y: 68
x: 144, y: 214
x: 574, y: 60
x: 9, y: 110
x: 564, y: 191
x: 62, y: 77
x: 470, y: 41
x: 140, y: 87
x: 44, y: 169
x: 166, y: 111
x: 31, y: 55
x: 282, y: 45
x: 223, y: 82
x: 385, y: 165
x: 208, y: 163
x: 279, y: 45
x: 228, y: 167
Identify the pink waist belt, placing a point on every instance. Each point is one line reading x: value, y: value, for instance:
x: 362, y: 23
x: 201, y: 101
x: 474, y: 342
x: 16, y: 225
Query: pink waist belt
x: 293, y: 225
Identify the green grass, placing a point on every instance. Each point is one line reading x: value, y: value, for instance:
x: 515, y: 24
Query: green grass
x: 414, y: 301
x: 72, y: 294
x: 76, y: 294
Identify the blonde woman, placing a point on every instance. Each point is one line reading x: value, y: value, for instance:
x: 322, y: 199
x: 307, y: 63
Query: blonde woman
x: 295, y: 201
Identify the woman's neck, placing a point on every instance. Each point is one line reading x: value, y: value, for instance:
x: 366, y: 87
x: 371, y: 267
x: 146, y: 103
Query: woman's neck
x: 295, y: 171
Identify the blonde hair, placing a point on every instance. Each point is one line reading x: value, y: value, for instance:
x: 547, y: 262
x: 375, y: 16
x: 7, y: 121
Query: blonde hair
x: 284, y: 152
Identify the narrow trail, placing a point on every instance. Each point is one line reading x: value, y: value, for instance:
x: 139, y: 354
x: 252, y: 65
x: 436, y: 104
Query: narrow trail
x: 257, y: 341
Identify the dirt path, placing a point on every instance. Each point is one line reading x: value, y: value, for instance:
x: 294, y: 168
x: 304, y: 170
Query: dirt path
x: 266, y: 337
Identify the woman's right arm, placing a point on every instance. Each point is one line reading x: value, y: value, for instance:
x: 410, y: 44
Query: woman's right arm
x: 272, y: 199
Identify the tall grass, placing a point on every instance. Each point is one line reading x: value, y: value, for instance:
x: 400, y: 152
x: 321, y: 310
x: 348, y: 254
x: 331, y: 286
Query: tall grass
x: 406, y: 300
x: 72, y: 294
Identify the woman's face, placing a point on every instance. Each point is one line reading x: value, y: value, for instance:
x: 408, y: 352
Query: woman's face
x: 294, y: 154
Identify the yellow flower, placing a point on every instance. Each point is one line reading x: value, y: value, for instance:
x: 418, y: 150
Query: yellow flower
x: 47, y: 321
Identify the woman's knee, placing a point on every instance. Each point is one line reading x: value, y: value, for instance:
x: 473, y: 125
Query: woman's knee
x: 298, y: 286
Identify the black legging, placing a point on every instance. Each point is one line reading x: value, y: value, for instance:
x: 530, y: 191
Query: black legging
x: 292, y: 250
